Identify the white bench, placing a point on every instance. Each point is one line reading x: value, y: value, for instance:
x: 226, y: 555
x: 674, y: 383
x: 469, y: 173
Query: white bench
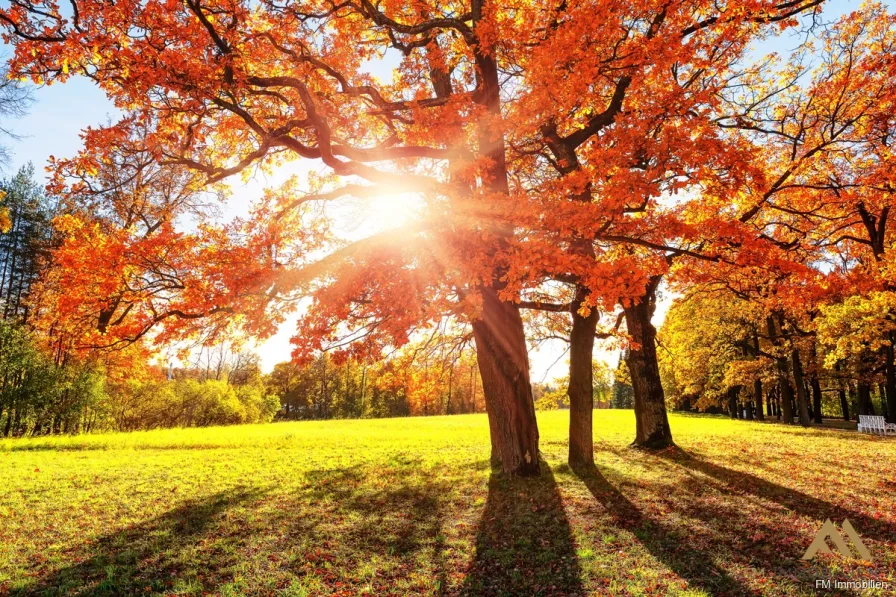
x: 872, y: 424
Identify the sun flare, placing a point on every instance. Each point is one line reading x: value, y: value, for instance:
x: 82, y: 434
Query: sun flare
x: 394, y: 210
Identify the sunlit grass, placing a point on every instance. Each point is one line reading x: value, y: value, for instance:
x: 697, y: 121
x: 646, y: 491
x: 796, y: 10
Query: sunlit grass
x: 409, y: 507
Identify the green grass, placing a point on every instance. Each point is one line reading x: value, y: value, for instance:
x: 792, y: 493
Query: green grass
x: 410, y: 507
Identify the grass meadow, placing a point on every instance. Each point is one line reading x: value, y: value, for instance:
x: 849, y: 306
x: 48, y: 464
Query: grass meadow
x: 410, y: 507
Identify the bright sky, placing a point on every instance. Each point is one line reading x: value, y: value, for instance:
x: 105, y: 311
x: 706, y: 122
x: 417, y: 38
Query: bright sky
x: 60, y: 112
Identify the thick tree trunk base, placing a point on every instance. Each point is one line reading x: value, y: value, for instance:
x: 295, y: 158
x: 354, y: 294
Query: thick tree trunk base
x: 581, y: 389
x: 503, y: 362
x: 659, y: 441
x: 651, y: 421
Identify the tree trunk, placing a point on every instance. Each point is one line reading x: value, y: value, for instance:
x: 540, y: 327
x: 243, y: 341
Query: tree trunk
x: 757, y: 397
x: 785, y: 391
x: 891, y: 380
x: 652, y: 425
x: 732, y: 402
x: 841, y: 393
x: 581, y: 393
x: 813, y: 383
x: 864, y: 399
x: 504, y: 368
x: 816, y: 399
x: 799, y: 382
x: 844, y: 405
x: 786, y: 397
x: 9, y: 417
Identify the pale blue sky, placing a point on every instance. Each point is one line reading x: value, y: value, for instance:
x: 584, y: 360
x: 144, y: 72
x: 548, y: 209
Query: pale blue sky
x: 60, y: 112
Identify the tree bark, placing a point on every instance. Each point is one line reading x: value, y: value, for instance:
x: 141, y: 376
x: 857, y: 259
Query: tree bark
x: 504, y: 368
x: 864, y: 399
x: 813, y: 383
x: 844, y: 405
x: 732, y: 402
x: 799, y: 382
x: 785, y: 391
x: 757, y: 396
x: 816, y: 399
x: 841, y: 393
x: 9, y: 418
x: 786, y: 400
x: 581, y: 387
x: 891, y: 381
x: 652, y: 424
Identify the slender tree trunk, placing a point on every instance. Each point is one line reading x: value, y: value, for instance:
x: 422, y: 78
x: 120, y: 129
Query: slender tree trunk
x: 17, y: 423
x: 841, y: 393
x: 732, y: 402
x: 815, y: 385
x: 799, y: 382
x: 652, y: 424
x: 816, y: 400
x: 757, y: 396
x: 891, y: 380
x: 785, y: 391
x: 12, y: 271
x: 786, y: 400
x: 504, y: 368
x: 844, y: 405
x: 9, y: 417
x: 864, y: 399
x: 581, y: 396
x: 472, y: 391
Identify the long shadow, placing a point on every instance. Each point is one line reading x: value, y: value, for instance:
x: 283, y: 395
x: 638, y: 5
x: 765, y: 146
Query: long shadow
x: 796, y: 501
x: 668, y: 545
x: 340, y: 532
x: 524, y: 543
x: 343, y: 528
x: 394, y: 521
x: 149, y: 556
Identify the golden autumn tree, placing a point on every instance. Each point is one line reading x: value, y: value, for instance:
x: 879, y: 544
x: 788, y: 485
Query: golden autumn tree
x: 812, y: 230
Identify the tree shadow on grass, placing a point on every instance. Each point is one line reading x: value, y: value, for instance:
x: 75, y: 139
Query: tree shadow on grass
x: 667, y: 544
x: 396, y: 525
x: 524, y: 543
x: 149, y: 557
x: 794, y: 500
x: 353, y: 530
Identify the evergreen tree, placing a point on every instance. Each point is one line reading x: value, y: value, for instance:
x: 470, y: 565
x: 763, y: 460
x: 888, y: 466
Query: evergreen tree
x: 26, y: 243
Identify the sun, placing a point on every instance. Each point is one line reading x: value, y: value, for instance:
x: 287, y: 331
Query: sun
x: 394, y: 210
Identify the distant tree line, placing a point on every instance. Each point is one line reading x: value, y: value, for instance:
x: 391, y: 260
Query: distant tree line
x: 434, y: 377
x: 718, y: 353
